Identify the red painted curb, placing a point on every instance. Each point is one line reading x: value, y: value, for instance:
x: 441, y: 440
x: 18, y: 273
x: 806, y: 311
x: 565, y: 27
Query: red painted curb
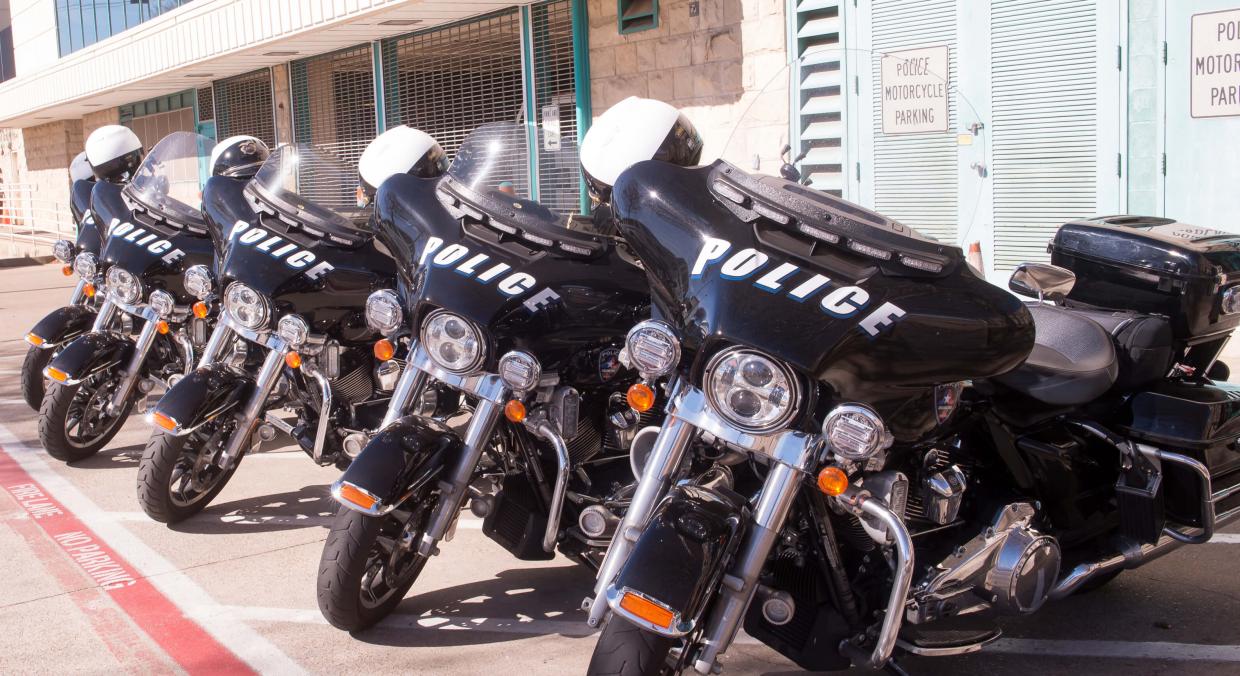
x: 187, y: 643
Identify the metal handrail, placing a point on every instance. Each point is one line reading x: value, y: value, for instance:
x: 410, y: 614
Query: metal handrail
x: 26, y: 217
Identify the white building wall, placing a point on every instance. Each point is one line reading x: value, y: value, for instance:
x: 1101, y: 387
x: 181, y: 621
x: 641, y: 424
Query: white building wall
x: 35, y: 45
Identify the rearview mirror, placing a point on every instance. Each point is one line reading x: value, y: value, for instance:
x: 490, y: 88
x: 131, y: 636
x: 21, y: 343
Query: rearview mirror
x: 1043, y: 281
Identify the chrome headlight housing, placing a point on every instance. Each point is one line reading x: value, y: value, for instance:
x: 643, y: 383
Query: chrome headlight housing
x: 753, y: 391
x: 162, y: 302
x: 62, y: 250
x: 199, y: 281
x: 246, y: 306
x: 520, y: 370
x: 383, y: 312
x: 653, y: 348
x: 124, y: 285
x: 855, y: 431
x: 293, y: 330
x: 453, y: 342
x: 86, y: 265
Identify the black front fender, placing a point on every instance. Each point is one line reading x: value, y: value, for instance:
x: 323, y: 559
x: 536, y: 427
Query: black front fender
x: 61, y: 325
x: 89, y: 354
x: 680, y: 557
x: 207, y: 392
x: 399, y: 460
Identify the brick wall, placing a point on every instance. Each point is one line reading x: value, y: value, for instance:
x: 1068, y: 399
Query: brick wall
x: 99, y: 118
x: 725, y: 68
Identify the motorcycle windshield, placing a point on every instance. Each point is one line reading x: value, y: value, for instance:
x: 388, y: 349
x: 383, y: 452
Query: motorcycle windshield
x: 314, y: 188
x: 169, y: 182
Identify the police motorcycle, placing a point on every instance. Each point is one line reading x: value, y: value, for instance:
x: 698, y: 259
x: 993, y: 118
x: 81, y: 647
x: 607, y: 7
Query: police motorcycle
x: 893, y: 452
x: 519, y: 311
x: 66, y: 323
x: 291, y: 350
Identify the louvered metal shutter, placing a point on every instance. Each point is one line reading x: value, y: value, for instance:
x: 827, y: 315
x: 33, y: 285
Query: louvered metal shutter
x: 915, y: 178
x: 151, y: 129
x: 1044, y: 83
x: 818, y: 97
x: 206, y: 105
x: 559, y: 171
x: 243, y: 105
x: 448, y: 81
x: 334, y: 101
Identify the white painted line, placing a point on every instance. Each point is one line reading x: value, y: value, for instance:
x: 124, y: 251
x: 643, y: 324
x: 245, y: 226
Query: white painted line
x: 504, y: 625
x: 1132, y: 650
x: 1225, y: 539
x: 12, y: 402
x: 248, y: 644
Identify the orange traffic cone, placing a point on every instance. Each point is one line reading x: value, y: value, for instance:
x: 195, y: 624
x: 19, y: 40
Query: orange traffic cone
x: 975, y: 258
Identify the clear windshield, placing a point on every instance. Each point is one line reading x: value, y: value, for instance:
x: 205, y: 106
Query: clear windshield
x: 312, y: 184
x: 170, y: 179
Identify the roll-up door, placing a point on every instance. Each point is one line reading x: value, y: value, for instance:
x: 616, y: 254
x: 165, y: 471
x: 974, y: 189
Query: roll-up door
x: 915, y: 174
x: 334, y: 101
x: 243, y: 105
x: 1046, y: 80
x: 818, y: 95
x: 555, y: 106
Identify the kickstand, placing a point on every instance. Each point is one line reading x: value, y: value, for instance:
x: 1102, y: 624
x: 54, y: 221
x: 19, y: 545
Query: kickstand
x: 894, y: 669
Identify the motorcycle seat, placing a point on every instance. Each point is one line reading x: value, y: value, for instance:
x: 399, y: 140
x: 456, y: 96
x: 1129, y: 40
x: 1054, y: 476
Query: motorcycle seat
x: 1073, y: 359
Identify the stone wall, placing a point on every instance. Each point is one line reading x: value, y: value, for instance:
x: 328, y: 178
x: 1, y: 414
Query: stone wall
x: 725, y: 67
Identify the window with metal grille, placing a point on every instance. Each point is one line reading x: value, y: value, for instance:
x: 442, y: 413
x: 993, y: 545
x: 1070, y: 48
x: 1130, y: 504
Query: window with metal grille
x: 243, y: 105
x: 555, y: 105
x: 334, y: 101
x: 152, y: 129
x: 206, y: 105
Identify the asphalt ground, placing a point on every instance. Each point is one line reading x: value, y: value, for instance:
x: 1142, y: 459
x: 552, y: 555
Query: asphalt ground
x: 89, y: 585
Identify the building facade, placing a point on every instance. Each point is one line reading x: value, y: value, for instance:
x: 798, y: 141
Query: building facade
x: 988, y: 121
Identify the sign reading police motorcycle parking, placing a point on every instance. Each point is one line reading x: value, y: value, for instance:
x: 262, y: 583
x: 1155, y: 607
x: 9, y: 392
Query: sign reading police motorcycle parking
x: 1215, y: 64
x: 914, y: 90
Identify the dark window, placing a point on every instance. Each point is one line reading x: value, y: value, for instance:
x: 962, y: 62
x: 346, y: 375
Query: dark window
x: 81, y: 23
x: 6, y: 54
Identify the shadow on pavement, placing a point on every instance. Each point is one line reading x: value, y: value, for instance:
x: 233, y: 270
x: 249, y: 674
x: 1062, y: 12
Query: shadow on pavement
x: 308, y: 507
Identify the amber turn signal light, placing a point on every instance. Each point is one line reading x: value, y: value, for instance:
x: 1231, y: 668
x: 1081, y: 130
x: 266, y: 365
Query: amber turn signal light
x: 356, y: 496
x: 384, y: 349
x: 67, y: 271
x: 56, y: 374
x: 163, y: 327
x: 34, y: 340
x: 293, y: 360
x: 201, y: 310
x: 640, y: 397
x: 163, y: 421
x: 647, y: 610
x: 832, y: 481
x: 514, y: 410
x: 89, y: 290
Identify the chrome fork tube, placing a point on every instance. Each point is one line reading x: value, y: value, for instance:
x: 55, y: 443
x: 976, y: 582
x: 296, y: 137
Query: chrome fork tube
x: 410, y: 385
x: 215, y: 344
x: 741, y: 581
x: 246, y: 419
x: 78, y: 292
x: 669, y: 450
x: 453, y: 489
x: 104, y: 316
x: 143, y: 345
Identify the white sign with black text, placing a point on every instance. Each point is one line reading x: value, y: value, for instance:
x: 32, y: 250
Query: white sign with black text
x: 1215, y: 64
x: 914, y: 90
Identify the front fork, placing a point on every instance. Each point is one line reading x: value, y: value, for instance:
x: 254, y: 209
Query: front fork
x: 454, y: 488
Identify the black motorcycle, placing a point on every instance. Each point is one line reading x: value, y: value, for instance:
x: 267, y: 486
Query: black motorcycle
x: 887, y: 407
x: 297, y: 266
x: 154, y: 232
x: 81, y: 257
x: 519, y: 312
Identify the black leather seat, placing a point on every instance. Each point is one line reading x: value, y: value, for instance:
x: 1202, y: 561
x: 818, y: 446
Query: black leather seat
x: 1073, y: 359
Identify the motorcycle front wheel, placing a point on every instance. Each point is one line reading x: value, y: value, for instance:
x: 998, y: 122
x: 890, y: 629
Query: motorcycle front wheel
x: 33, y: 382
x: 73, y: 420
x: 178, y: 476
x: 623, y: 649
x: 369, y: 563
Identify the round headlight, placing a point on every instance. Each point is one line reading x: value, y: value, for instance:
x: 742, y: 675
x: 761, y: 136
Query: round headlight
x: 293, y: 330
x: 383, y: 313
x: 62, y: 250
x: 653, y: 348
x: 453, y: 342
x: 162, y: 302
x: 199, y: 281
x: 754, y: 392
x: 854, y: 431
x: 520, y: 370
x: 86, y: 265
x: 246, y: 306
x: 123, y: 285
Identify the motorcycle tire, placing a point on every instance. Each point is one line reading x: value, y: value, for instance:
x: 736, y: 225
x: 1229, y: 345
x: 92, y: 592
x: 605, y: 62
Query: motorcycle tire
x: 33, y: 381
x: 624, y: 649
x: 157, y: 471
x: 54, y: 434
x: 349, y: 555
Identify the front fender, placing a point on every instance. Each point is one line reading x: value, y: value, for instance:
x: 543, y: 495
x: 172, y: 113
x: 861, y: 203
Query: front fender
x: 61, y: 325
x: 680, y: 557
x: 89, y: 354
x: 400, y: 459
x: 206, y: 393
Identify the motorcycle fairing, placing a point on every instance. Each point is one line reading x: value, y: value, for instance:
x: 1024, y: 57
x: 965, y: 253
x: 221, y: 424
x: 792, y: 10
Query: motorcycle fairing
x: 89, y: 237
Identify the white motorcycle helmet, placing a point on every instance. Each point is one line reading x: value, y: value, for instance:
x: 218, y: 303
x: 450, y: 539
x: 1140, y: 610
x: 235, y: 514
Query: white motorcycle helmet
x: 399, y: 150
x: 79, y: 168
x: 238, y: 156
x: 114, y: 152
x: 633, y: 131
